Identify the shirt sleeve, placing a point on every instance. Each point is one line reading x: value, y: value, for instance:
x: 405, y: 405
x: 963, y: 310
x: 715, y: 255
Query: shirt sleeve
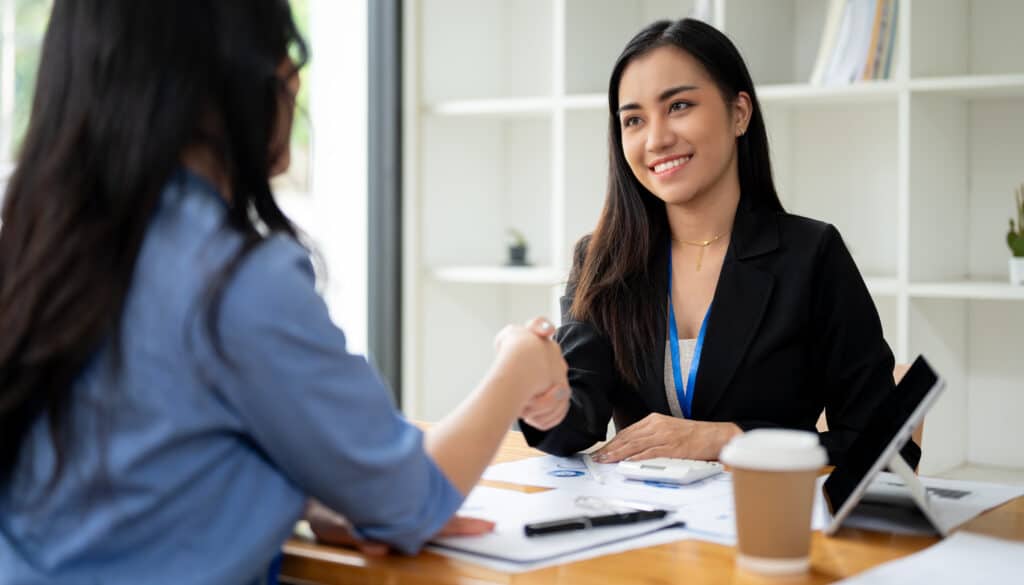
x: 321, y: 414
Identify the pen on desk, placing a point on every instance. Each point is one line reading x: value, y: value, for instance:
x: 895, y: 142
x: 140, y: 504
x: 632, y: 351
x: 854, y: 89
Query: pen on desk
x: 592, y: 468
x: 585, y: 522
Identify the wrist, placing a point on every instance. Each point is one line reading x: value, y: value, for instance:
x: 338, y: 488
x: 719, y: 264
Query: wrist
x: 498, y: 387
x: 726, y: 432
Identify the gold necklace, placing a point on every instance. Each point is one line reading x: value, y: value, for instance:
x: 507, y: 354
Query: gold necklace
x: 703, y: 244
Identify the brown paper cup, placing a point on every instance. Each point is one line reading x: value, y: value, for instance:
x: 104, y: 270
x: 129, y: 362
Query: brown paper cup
x: 773, y: 485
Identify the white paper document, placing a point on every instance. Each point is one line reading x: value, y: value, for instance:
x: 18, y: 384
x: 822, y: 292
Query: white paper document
x: 571, y: 472
x: 961, y: 558
x: 663, y: 536
x: 952, y: 501
x: 510, y: 511
x: 706, y: 506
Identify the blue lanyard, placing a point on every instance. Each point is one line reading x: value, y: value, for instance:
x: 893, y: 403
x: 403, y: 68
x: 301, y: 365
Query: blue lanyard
x: 684, y: 394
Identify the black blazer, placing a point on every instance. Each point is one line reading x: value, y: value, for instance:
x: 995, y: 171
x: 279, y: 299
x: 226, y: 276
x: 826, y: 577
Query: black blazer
x: 792, y: 330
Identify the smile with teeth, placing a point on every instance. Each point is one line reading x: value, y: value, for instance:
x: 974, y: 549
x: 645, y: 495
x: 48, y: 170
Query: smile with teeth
x: 670, y: 164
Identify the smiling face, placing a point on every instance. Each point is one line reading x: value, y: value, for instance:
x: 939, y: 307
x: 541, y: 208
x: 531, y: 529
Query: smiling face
x: 678, y: 132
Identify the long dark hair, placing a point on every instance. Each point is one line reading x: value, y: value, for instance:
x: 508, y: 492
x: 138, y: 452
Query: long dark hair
x: 124, y: 87
x: 614, y: 286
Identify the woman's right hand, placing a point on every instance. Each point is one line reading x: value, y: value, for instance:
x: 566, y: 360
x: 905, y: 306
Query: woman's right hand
x: 529, y: 357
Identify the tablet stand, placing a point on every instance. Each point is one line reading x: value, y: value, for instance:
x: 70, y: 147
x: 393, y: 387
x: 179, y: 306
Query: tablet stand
x: 915, y: 519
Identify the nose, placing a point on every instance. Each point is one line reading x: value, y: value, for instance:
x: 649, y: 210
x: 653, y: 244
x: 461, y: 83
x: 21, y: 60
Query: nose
x: 659, y: 135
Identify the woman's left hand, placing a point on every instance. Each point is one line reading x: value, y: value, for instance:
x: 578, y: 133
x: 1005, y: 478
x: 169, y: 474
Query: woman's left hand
x: 333, y: 528
x: 658, y: 435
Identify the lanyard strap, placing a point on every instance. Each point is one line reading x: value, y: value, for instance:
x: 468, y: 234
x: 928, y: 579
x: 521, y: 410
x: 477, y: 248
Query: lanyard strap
x: 683, y: 393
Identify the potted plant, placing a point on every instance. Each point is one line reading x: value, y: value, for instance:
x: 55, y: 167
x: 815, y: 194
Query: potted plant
x: 1015, y: 239
x: 516, y: 248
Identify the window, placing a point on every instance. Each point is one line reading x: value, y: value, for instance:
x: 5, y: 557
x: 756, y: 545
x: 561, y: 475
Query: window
x: 298, y: 180
x: 22, y: 25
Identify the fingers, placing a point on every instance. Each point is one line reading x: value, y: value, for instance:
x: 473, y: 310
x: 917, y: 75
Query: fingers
x: 555, y: 416
x: 338, y: 534
x: 651, y: 453
x: 548, y: 420
x: 466, y: 526
x: 547, y: 409
x: 613, y: 453
x: 329, y: 527
x: 541, y: 402
x: 541, y: 326
x: 630, y: 441
x: 373, y: 549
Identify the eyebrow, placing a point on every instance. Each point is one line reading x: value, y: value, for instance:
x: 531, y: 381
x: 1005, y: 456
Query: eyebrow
x: 661, y: 97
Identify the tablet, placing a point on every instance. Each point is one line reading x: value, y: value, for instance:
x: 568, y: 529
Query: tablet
x: 891, y: 425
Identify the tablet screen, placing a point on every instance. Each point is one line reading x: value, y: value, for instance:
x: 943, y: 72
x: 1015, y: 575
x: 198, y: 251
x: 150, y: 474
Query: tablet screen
x: 885, y: 425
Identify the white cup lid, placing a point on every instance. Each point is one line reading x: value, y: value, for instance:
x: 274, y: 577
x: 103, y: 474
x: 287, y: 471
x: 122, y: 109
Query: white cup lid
x: 775, y: 450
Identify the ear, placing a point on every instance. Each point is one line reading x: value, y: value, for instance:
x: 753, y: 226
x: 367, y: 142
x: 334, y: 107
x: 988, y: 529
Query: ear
x: 742, y: 109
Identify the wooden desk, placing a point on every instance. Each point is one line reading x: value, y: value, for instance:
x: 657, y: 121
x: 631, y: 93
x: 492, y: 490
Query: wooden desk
x: 692, y: 561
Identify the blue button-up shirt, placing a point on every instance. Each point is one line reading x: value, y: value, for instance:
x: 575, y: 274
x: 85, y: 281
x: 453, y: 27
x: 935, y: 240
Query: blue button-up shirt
x: 188, y: 466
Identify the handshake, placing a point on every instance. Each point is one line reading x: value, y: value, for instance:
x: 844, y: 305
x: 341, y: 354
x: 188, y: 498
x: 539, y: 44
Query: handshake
x: 530, y: 356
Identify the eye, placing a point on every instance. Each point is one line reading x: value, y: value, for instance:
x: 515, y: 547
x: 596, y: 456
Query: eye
x: 630, y: 121
x: 679, y: 106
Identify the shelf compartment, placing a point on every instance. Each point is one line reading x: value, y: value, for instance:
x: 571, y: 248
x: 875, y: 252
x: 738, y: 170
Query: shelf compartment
x: 971, y: 344
x: 838, y: 163
x: 481, y: 177
x: 598, y: 30
x: 473, y: 49
x: 586, y: 173
x: 964, y: 167
x: 965, y: 37
x: 779, y: 40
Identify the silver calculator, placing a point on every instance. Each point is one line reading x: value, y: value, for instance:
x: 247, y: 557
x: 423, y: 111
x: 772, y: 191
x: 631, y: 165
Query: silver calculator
x: 669, y: 470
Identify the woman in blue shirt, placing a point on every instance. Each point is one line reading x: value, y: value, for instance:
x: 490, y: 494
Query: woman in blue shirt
x: 171, y: 386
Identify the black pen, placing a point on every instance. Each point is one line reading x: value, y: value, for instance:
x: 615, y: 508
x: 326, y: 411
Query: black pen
x: 585, y: 522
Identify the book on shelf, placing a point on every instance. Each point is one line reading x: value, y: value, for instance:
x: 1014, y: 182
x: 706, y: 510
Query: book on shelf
x: 829, y: 35
x: 870, y: 63
x: 889, y: 47
x: 857, y: 42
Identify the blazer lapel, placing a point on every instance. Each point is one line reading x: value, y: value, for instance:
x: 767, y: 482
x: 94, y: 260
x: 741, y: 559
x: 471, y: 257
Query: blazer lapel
x: 741, y: 298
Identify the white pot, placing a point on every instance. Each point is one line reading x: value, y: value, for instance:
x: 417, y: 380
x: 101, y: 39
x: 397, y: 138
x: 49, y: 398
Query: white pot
x: 1016, y: 270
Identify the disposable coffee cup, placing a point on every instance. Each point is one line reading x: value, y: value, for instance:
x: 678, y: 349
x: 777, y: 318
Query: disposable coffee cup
x: 774, y: 474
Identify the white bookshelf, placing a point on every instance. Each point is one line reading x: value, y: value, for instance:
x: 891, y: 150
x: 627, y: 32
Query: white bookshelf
x: 506, y: 122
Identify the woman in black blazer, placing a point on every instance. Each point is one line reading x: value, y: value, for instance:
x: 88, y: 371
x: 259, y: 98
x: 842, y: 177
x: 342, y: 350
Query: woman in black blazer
x: 699, y: 308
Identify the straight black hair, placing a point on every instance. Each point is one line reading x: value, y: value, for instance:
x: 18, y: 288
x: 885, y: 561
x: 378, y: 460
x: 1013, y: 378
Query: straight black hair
x: 124, y: 88
x: 613, y: 287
